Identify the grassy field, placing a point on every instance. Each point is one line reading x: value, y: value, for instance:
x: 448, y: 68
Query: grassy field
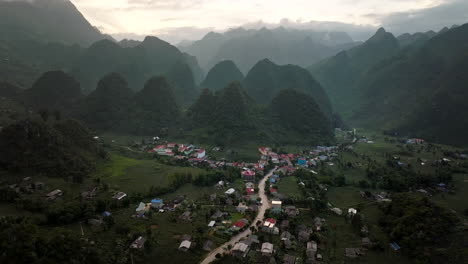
x: 288, y: 186
x: 131, y: 175
x: 459, y: 200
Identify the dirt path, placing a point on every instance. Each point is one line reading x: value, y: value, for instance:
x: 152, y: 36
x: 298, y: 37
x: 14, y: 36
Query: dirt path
x: 261, y: 212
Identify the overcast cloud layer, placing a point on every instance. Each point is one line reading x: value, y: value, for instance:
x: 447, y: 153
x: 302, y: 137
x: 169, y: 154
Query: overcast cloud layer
x: 176, y: 20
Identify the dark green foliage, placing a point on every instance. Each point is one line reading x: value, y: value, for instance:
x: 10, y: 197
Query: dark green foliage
x: 23, y: 242
x: 424, y: 90
x: 54, y: 90
x: 232, y: 116
x: 8, y: 90
x: 150, y: 57
x: 420, y: 227
x: 340, y: 74
x: 108, y: 106
x: 201, y: 111
x: 63, y: 149
x: 221, y: 75
x: 298, y: 113
x: 182, y: 79
x: 266, y: 79
x: 155, y: 108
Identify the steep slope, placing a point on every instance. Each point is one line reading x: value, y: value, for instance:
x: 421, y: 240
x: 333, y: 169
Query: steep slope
x: 299, y: 119
x: 181, y: 78
x: 109, y: 105
x: 221, y: 75
x: 421, y: 91
x: 137, y: 64
x: 232, y: 117
x: 155, y: 108
x: 266, y: 79
x: 46, y: 21
x: 341, y: 73
x: 54, y: 90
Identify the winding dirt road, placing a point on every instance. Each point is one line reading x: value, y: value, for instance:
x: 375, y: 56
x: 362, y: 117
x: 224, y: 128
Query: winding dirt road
x: 261, y: 213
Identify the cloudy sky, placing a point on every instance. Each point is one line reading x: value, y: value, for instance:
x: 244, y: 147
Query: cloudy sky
x: 175, y: 20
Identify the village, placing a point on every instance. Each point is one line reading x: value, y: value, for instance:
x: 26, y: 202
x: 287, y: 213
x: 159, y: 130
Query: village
x: 234, y: 221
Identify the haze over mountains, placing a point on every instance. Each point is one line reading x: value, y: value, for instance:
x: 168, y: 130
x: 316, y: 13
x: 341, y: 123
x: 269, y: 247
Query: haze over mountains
x: 281, y: 45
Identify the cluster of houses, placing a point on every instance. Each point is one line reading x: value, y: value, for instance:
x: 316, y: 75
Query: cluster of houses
x: 26, y: 186
x: 179, y: 151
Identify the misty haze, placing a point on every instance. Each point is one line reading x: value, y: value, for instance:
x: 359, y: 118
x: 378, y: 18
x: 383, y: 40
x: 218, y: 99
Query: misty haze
x: 249, y: 131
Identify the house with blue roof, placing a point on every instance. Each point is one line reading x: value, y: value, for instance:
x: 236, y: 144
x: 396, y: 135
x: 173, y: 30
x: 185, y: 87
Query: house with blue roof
x: 395, y: 246
x: 157, y: 203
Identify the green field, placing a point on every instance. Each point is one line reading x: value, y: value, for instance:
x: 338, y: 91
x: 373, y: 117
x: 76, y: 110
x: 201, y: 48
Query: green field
x: 131, y: 175
x: 288, y: 186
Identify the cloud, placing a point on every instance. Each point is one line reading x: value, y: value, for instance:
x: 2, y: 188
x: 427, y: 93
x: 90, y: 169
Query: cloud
x: 435, y: 18
x: 357, y: 32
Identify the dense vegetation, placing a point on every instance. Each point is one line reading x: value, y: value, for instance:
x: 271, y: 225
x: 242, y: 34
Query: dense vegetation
x: 411, y: 85
x: 221, y: 75
x: 420, y: 227
x: 52, y: 147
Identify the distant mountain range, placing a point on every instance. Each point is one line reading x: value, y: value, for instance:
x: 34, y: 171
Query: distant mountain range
x: 280, y: 45
x: 412, y: 85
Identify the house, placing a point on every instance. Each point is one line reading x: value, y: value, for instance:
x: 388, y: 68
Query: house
x: 303, y: 236
x: 352, y: 211
x: 366, y: 242
x: 218, y: 215
x: 395, y: 246
x: 139, y: 243
x: 289, y: 259
x: 220, y: 185
x: 230, y: 191
x: 337, y: 211
x: 95, y: 222
x: 187, y: 216
x: 250, y: 191
x: 240, y: 224
x: 318, y: 223
x: 276, y: 204
x: 267, y: 249
x: 302, y: 162
x: 241, y: 249
x: 208, y: 245
x: 211, y: 224
x: 106, y: 214
x: 286, y: 235
x: 248, y: 175
x: 249, y: 185
x: 311, y: 249
x: 89, y: 194
x: 269, y: 226
x: 54, y: 194
x: 185, y: 245
x: 352, y: 252
x: 241, y: 208
x: 157, y: 203
x: 273, y: 191
x: 119, y: 196
x: 291, y: 211
x: 201, y: 153
x: 142, y: 209
x: 264, y: 151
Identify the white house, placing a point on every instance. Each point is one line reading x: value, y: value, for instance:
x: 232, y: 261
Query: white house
x: 230, y: 191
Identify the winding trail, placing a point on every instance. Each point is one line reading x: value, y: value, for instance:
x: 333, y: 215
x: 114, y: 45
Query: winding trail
x: 261, y: 213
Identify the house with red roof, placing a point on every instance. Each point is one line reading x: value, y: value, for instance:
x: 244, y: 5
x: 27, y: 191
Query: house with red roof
x: 250, y: 191
x: 201, y: 153
x: 248, y: 175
